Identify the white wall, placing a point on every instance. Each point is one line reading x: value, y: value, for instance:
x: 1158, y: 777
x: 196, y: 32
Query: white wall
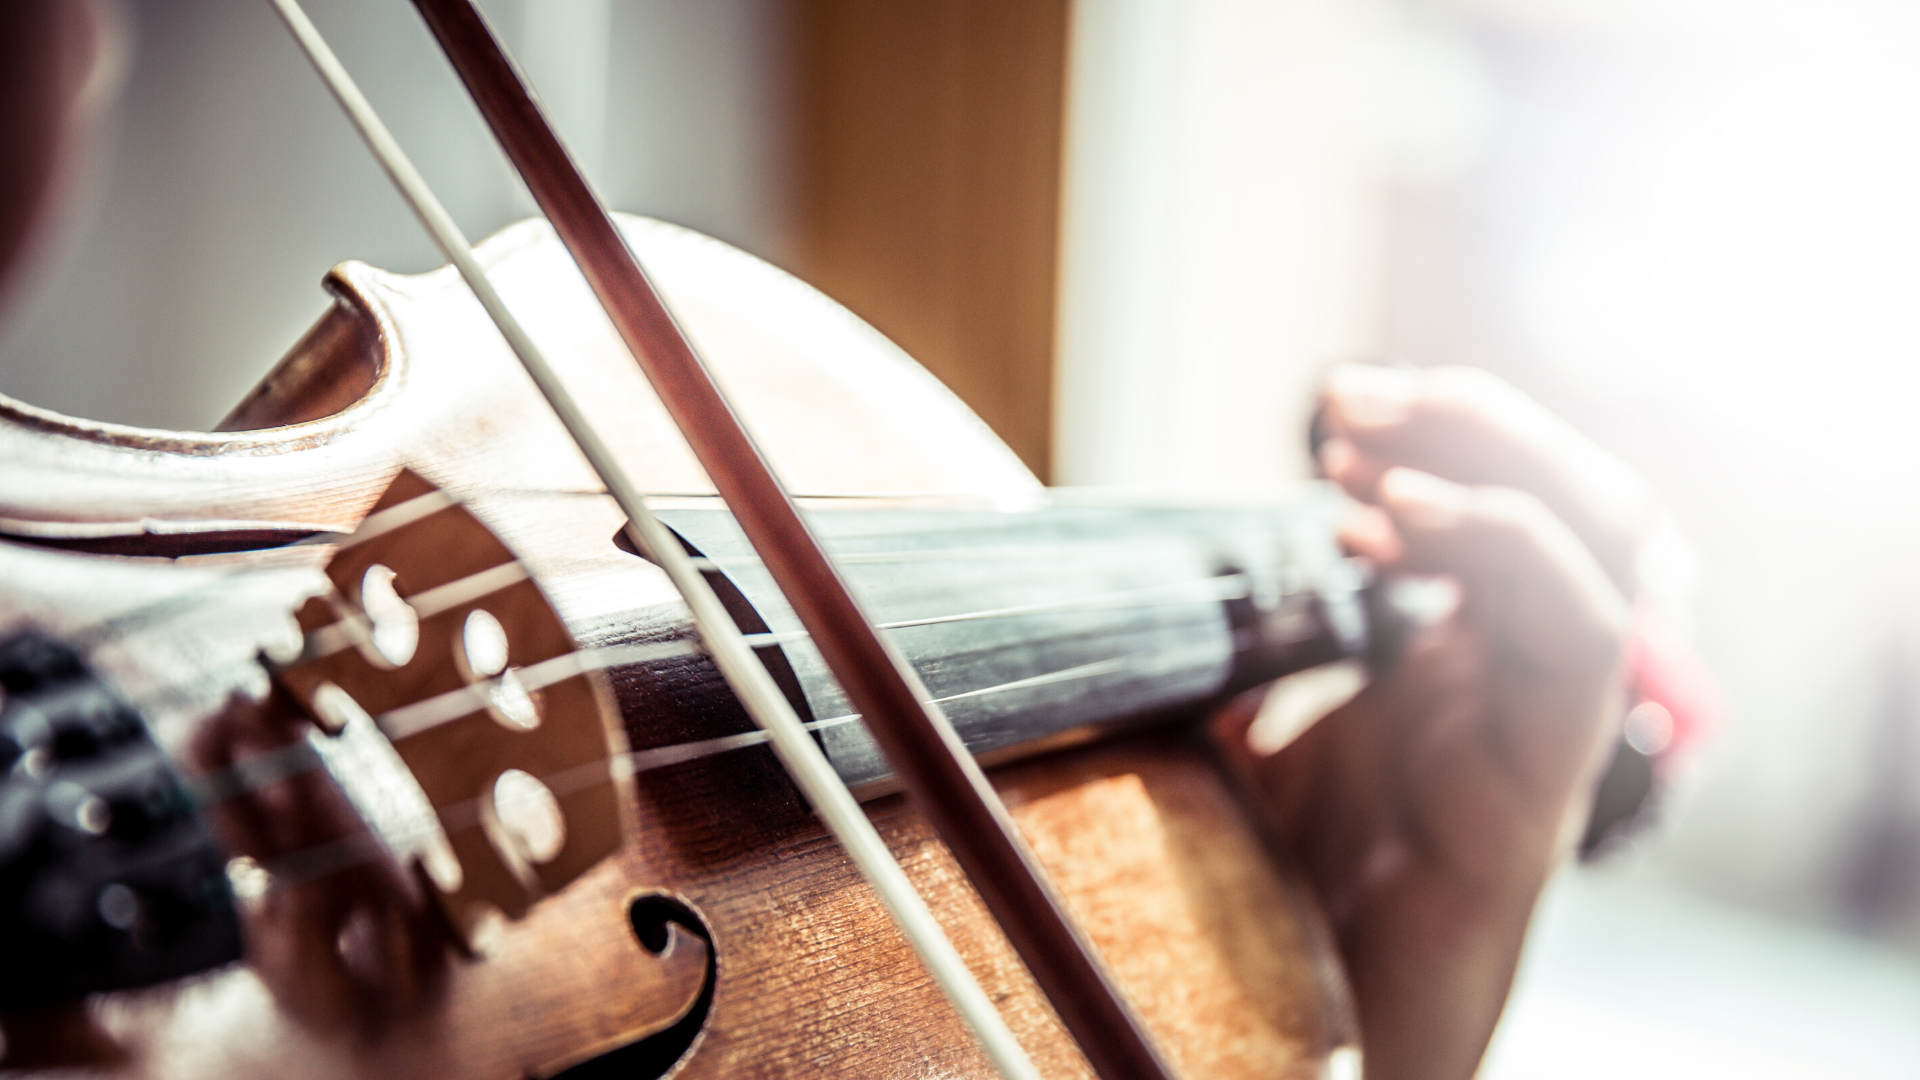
x: 1222, y: 233
x: 228, y: 183
x: 1688, y: 224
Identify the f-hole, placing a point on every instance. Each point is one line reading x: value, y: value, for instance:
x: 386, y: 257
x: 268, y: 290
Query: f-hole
x: 652, y: 916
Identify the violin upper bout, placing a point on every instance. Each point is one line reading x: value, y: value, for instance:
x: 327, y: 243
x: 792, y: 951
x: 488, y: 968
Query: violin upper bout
x: 405, y: 368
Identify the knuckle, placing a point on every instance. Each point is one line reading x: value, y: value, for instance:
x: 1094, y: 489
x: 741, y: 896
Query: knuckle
x: 1521, y: 516
x: 1495, y: 407
x: 1602, y: 631
x: 1472, y: 390
x: 1578, y: 608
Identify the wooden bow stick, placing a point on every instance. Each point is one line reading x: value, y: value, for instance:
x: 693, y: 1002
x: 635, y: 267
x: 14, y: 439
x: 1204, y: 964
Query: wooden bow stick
x: 743, y: 671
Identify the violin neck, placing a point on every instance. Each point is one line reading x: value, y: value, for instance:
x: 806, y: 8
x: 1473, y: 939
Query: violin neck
x: 1038, y: 629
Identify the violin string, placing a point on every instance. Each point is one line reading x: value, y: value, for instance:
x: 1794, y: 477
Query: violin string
x: 983, y: 553
x: 1219, y: 588
x: 382, y: 521
x: 186, y: 695
x: 419, y: 716
x: 736, y: 659
x: 284, y: 763
x: 271, y: 767
x: 90, y: 638
x: 408, y: 720
x: 163, y: 609
x: 947, y: 498
x: 969, y: 813
x: 430, y: 712
x: 106, y: 632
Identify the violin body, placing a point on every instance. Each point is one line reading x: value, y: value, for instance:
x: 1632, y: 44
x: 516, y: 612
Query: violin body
x: 729, y: 934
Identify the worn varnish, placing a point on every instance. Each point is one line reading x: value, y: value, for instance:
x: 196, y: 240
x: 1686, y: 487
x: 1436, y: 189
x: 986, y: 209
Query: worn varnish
x: 1220, y: 950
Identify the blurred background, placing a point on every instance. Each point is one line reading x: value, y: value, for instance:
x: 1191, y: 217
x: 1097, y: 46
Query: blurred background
x: 1130, y: 233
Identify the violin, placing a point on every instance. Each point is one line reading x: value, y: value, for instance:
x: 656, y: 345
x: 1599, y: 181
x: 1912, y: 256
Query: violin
x: 717, y: 930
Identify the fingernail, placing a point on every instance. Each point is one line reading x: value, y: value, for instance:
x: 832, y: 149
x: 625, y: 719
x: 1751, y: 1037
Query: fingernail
x: 1422, y: 499
x: 1336, y: 457
x: 1371, y: 395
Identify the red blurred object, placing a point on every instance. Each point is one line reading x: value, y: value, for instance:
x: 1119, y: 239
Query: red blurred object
x: 1662, y: 670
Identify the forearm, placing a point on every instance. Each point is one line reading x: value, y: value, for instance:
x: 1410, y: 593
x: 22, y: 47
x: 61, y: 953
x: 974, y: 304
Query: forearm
x: 1431, y: 963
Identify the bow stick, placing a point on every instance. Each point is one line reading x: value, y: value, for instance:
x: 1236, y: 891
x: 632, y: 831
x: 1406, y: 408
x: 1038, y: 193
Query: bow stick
x: 764, y: 701
x: 943, y: 781
x: 942, y: 778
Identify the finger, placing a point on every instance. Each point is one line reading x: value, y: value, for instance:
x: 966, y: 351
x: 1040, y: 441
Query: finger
x: 1553, y: 624
x: 1334, y: 764
x: 1368, y: 531
x: 1473, y: 428
x: 1532, y: 584
x: 1357, y: 473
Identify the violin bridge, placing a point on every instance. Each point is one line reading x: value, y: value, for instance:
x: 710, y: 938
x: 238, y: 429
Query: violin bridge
x: 438, y: 633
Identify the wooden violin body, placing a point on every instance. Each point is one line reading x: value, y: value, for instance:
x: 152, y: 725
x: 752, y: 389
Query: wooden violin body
x: 729, y: 934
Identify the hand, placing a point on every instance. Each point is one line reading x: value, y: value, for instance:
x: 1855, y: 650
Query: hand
x: 1429, y: 811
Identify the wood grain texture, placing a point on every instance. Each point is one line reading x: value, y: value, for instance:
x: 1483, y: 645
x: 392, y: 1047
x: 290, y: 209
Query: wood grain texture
x: 1222, y: 954
x: 347, y: 974
x: 897, y: 709
x: 928, y: 157
x: 838, y: 408
x: 1213, y: 942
